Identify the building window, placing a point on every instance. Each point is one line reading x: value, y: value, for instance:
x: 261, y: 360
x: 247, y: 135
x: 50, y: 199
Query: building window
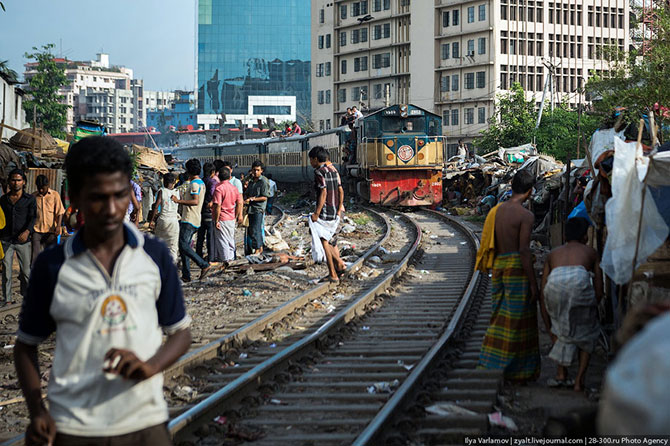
x: 454, y: 117
x: 471, y: 47
x: 320, y: 42
x: 319, y: 70
x: 342, y: 95
x: 445, y: 51
x: 503, y: 81
x: 343, y: 38
x: 364, y: 34
x: 469, y: 81
x: 382, y: 31
x: 319, y: 96
x: 327, y: 73
x: 445, y: 117
x: 387, y: 5
x: 455, y: 50
x: 503, y: 46
x: 343, y: 66
x: 444, y: 83
x: 503, y: 12
x: 327, y: 124
x: 481, y: 115
x: 455, y: 85
x: 482, y: 13
x: 377, y: 89
x: 322, y: 16
x: 481, y: 79
x: 471, y: 14
x: 327, y: 40
x: 381, y: 60
x: 455, y: 17
x: 327, y: 96
x: 343, y: 12
x: 469, y: 116
x: 481, y: 45
x: 361, y: 64
x: 445, y: 18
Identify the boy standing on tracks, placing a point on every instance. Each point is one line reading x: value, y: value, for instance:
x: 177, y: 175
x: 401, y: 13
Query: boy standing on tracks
x: 511, y: 341
x: 106, y: 292
x: 326, y: 217
x: 569, y: 301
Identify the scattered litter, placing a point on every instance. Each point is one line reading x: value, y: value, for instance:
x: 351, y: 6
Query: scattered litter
x: 330, y: 308
x: 383, y: 387
x: 375, y: 259
x: 395, y: 251
x: 445, y: 409
x: 184, y: 393
x: 423, y: 271
x: 339, y: 296
x: 8, y: 346
x: 220, y: 420
x: 273, y: 345
x: 364, y: 275
x: 278, y: 402
x: 250, y: 272
x: 396, y: 217
x: 464, y: 243
x: 246, y: 292
x: 348, y: 229
x: 244, y: 355
x: 365, y: 328
x: 498, y: 419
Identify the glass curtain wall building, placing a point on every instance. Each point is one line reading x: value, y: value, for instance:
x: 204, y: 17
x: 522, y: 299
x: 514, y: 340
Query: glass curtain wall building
x: 254, y: 59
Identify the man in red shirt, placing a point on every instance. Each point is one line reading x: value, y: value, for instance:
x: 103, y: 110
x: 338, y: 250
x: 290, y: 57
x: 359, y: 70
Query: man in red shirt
x: 226, y: 210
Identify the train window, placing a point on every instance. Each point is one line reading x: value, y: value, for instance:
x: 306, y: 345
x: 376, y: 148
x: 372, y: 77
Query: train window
x: 400, y: 125
x: 434, y: 127
x: 371, y: 129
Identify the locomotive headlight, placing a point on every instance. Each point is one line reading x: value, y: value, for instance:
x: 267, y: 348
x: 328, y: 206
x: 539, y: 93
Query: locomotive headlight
x: 389, y: 143
x: 421, y: 156
x: 421, y: 142
x: 389, y: 157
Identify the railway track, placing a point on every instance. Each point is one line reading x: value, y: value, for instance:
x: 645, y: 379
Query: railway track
x: 331, y: 383
x: 253, y: 326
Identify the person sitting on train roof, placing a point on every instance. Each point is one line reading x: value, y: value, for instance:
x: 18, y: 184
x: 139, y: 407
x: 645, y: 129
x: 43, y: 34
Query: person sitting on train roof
x: 288, y: 131
x: 296, y: 129
x: 344, y: 120
x: 109, y: 293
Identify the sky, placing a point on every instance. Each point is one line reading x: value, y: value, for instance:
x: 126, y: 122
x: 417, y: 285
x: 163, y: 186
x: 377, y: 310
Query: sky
x: 155, y: 38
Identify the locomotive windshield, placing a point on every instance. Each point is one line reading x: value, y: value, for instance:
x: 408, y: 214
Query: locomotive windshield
x: 415, y: 124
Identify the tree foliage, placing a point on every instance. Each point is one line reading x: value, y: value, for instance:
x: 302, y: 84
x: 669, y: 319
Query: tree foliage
x: 11, y: 74
x: 514, y: 125
x: 638, y: 79
x: 43, y: 88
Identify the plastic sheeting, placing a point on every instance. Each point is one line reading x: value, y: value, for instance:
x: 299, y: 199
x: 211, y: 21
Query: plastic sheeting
x: 603, y: 141
x: 623, y: 215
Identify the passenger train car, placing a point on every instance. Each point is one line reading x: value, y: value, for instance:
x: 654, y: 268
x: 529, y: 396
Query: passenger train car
x: 398, y: 158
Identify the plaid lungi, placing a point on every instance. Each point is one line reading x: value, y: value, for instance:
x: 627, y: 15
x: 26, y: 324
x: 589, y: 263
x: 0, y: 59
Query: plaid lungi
x: 511, y: 341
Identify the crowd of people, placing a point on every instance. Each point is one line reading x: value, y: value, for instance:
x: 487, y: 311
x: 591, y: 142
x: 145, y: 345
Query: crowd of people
x: 118, y: 288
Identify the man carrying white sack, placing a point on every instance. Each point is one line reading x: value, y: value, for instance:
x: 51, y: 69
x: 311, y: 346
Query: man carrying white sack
x: 326, y: 217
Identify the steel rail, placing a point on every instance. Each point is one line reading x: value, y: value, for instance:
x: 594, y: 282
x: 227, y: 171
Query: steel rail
x: 374, y: 431
x: 235, y: 390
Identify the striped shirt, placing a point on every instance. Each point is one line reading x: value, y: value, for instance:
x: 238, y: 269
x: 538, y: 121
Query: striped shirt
x: 327, y: 177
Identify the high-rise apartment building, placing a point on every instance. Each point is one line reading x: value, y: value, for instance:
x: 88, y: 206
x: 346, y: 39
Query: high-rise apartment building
x: 253, y: 60
x: 453, y: 57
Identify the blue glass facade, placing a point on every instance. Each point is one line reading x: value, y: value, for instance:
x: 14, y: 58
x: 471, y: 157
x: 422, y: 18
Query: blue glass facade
x: 253, y: 47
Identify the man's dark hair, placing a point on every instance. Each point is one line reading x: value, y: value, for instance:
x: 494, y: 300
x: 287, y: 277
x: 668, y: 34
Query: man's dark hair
x: 257, y: 163
x: 226, y: 164
x: 523, y: 181
x: 207, y: 169
x: 169, y: 178
x: 193, y: 167
x: 41, y: 181
x: 348, y: 108
x: 319, y: 153
x: 218, y: 164
x: 224, y: 174
x: 16, y: 172
x: 93, y: 155
x: 576, y: 228
x: 268, y: 176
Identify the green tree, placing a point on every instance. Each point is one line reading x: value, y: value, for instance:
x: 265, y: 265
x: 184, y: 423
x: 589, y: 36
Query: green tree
x: 11, y: 74
x: 639, y: 78
x: 515, y: 121
x: 43, y: 88
x: 512, y: 124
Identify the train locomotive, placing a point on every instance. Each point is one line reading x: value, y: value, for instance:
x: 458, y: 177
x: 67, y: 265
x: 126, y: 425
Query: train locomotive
x: 393, y: 157
x: 399, y: 157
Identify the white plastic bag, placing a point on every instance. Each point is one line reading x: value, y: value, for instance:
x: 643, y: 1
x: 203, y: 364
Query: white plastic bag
x: 623, y: 215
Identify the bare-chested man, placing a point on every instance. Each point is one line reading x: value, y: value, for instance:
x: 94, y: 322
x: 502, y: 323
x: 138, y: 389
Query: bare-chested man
x: 569, y: 301
x: 511, y: 341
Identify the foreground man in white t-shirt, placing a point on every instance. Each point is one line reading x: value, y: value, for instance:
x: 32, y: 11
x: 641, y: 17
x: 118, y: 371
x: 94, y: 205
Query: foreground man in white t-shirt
x: 107, y: 293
